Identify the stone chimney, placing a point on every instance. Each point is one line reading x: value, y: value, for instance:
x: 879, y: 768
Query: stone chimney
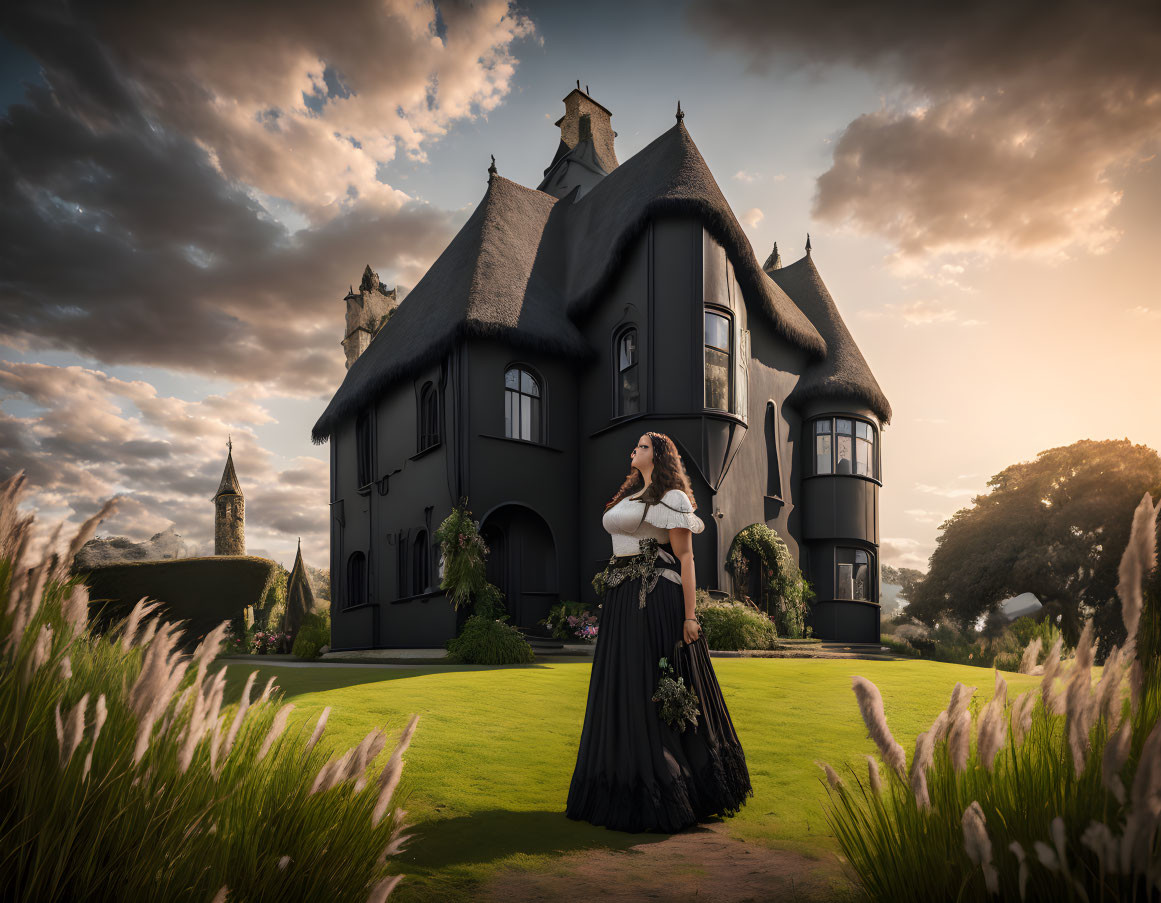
x: 584, y: 118
x: 367, y: 310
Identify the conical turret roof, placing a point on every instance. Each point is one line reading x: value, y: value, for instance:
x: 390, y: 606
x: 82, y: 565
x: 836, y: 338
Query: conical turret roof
x: 299, y: 595
x: 229, y: 484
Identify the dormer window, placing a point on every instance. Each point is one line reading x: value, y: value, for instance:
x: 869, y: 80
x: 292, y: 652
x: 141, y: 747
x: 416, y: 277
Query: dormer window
x: 628, y: 374
x: 717, y: 361
x: 844, y: 445
x: 522, y: 397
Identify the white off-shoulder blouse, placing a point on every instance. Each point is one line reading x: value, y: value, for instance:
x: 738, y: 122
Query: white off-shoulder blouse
x: 621, y: 521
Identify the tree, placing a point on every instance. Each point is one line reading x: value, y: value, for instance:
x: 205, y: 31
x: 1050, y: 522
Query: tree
x: 1055, y: 527
x: 906, y: 578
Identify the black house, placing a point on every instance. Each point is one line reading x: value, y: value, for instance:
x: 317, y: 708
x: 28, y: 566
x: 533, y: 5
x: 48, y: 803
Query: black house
x: 558, y: 325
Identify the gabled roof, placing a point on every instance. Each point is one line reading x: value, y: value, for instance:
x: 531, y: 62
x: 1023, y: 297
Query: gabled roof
x: 525, y: 266
x: 844, y: 372
x: 229, y: 484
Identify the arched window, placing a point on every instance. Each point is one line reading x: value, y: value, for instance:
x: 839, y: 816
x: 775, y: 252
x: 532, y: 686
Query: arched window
x: 522, y: 397
x: 627, y: 375
x: 356, y: 579
x: 428, y: 416
x: 773, y: 468
x: 364, y: 448
x: 718, y: 361
x: 844, y: 445
x: 852, y: 574
x: 419, y: 564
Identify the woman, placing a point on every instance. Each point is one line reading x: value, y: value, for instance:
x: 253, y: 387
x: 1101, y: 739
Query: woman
x: 634, y: 771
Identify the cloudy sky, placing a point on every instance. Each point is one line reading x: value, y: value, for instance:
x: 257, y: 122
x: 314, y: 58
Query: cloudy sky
x: 187, y: 190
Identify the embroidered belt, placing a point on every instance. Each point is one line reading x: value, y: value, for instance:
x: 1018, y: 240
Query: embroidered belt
x: 655, y: 560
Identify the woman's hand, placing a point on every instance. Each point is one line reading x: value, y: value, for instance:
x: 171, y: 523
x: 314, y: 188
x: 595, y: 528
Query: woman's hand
x: 692, y: 631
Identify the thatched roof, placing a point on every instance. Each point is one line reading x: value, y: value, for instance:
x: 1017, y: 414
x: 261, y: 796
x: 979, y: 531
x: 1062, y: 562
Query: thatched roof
x: 844, y: 372
x: 525, y: 266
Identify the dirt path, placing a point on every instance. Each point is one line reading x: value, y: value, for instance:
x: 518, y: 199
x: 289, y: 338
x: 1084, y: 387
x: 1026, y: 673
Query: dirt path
x: 703, y: 865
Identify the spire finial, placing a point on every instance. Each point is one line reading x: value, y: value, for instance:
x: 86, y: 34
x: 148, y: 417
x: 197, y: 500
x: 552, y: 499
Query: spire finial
x: 807, y: 244
x: 492, y: 168
x: 578, y: 84
x: 230, y: 443
x: 680, y: 115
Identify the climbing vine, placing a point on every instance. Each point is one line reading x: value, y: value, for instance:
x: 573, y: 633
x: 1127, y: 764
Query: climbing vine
x: 464, y: 552
x: 785, y: 593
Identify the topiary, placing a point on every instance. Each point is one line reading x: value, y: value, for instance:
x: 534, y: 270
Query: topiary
x: 488, y: 641
x: 786, y: 594
x: 313, y: 634
x: 734, y: 626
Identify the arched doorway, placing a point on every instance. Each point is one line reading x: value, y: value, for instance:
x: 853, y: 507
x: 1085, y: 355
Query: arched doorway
x: 522, y: 564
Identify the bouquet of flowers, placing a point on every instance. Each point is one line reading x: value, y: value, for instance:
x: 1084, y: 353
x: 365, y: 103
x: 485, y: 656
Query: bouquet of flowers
x: 678, y: 703
x: 572, y: 619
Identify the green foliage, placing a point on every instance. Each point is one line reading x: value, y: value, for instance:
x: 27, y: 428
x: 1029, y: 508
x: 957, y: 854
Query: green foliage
x: 677, y: 703
x: 202, y: 592
x: 786, y: 594
x: 272, y: 611
x: 314, y: 633
x: 464, y: 552
x: 488, y: 641
x: 731, y: 625
x: 898, y: 645
x: 1056, y: 527
x: 123, y: 775
x: 948, y: 643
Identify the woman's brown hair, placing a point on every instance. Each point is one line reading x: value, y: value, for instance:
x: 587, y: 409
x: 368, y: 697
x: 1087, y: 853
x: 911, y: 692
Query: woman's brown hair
x: 668, y: 473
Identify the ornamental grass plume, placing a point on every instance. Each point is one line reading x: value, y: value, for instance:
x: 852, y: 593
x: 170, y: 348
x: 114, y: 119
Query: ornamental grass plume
x: 163, y: 807
x: 978, y: 845
x: 871, y: 706
x: 1031, y: 654
x: 1139, y: 559
x: 832, y: 777
x: 873, y: 778
x: 389, y: 778
x: 1031, y: 816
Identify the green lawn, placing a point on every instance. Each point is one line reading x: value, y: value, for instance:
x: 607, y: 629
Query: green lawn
x: 488, y: 770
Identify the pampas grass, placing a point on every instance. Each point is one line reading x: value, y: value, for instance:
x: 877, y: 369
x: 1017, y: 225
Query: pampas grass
x: 124, y: 775
x: 1040, y: 811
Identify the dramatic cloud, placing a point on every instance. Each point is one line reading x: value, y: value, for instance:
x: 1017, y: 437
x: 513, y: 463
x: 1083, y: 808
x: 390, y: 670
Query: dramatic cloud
x: 1008, y: 124
x: 752, y: 217
x: 92, y: 436
x: 137, y: 182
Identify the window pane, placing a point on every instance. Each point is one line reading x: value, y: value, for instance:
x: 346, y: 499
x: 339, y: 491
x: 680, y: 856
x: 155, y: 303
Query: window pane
x: 845, y: 584
x: 863, y: 430
x: 844, y: 426
x: 822, y: 426
x: 717, y: 331
x: 510, y: 413
x: 512, y: 379
x: 863, y: 457
x: 717, y: 379
x: 628, y: 349
x: 860, y: 556
x: 860, y: 583
x: 534, y: 429
x: 630, y: 395
x: 822, y: 454
x: 525, y: 430
x: 845, y: 459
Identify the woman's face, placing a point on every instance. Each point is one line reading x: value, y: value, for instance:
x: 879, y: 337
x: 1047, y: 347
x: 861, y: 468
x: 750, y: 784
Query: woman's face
x: 642, y: 456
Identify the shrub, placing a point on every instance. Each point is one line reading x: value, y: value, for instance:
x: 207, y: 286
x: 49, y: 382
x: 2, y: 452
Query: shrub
x: 734, y: 626
x: 785, y: 593
x: 123, y: 775
x: 488, y: 641
x: 898, y: 645
x: 1007, y: 661
x: 464, y: 551
x: 571, y: 621
x: 1060, y: 806
x: 314, y: 633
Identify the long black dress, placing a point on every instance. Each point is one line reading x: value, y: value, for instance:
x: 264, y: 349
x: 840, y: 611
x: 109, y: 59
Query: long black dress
x: 633, y: 771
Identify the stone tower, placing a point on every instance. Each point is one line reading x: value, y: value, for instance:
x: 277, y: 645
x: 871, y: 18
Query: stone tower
x: 229, y: 511
x: 367, y: 310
